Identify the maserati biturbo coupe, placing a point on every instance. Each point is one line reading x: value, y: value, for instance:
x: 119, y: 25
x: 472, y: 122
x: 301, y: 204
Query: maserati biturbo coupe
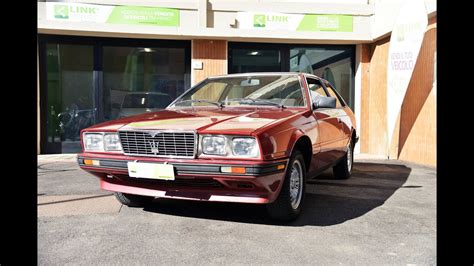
x: 249, y: 138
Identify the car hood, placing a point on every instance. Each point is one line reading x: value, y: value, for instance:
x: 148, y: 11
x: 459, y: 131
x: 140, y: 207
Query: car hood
x: 228, y: 120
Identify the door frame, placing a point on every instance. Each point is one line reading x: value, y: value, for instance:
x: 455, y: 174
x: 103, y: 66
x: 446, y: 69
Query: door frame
x: 97, y: 43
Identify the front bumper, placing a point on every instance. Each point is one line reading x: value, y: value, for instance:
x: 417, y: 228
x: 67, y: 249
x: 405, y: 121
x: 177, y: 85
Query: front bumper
x: 195, y: 179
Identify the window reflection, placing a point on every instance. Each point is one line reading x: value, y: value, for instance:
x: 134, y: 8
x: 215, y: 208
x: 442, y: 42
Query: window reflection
x: 132, y: 75
x: 255, y: 60
x: 70, y: 104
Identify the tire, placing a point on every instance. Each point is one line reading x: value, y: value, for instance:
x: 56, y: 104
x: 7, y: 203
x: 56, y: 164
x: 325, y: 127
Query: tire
x: 284, y: 208
x: 343, y: 169
x: 132, y: 200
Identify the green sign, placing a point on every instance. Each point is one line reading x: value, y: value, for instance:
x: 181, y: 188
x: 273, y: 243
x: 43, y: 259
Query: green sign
x: 78, y: 12
x: 295, y: 22
x: 340, y: 23
x: 61, y: 11
x: 259, y: 20
x: 144, y: 15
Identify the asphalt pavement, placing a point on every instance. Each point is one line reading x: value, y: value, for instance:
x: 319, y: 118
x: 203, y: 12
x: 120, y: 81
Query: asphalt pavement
x: 385, y: 214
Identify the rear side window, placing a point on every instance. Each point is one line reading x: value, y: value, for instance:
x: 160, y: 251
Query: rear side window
x: 315, y: 88
x: 333, y: 94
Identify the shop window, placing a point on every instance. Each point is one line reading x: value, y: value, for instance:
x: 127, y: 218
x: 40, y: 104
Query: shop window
x: 70, y: 103
x: 85, y: 81
x: 141, y: 79
x: 334, y: 63
x: 254, y: 60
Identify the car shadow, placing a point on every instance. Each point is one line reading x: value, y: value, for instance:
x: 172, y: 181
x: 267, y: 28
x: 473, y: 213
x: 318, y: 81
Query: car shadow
x: 328, y: 201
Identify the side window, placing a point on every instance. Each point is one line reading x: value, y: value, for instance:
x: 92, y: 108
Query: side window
x: 315, y: 88
x: 333, y: 94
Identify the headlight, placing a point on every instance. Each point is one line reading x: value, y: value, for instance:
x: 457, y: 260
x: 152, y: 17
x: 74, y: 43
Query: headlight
x: 112, y: 142
x: 93, y: 142
x: 99, y: 141
x: 214, y: 145
x: 230, y: 146
x: 245, y: 147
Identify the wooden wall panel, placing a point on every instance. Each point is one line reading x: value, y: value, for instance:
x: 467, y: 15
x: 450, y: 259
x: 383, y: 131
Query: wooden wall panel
x: 364, y: 97
x: 417, y: 135
x: 213, y: 54
x: 375, y: 111
x: 414, y: 138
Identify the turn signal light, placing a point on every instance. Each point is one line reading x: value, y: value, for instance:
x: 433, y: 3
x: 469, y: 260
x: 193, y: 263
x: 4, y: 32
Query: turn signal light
x: 280, y: 167
x: 233, y: 169
x: 91, y: 162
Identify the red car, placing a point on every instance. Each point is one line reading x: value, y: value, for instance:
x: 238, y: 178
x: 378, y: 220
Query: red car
x: 251, y: 138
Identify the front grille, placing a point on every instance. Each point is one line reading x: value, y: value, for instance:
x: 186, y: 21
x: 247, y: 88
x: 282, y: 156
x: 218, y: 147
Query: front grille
x: 158, y: 143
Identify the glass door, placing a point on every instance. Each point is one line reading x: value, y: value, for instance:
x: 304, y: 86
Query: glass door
x: 141, y: 79
x: 69, y: 105
x: 88, y: 80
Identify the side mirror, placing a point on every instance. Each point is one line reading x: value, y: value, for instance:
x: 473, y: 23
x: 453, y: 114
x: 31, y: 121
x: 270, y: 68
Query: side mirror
x: 324, y: 102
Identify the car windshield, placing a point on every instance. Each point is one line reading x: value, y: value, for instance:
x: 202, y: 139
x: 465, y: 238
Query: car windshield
x: 146, y: 101
x: 274, y: 90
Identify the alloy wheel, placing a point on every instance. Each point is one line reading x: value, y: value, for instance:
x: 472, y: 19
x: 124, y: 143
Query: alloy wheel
x: 296, y: 184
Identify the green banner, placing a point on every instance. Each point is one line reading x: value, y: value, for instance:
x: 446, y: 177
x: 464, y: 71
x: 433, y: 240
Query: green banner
x: 294, y: 22
x: 144, y: 15
x: 134, y: 15
x: 340, y: 23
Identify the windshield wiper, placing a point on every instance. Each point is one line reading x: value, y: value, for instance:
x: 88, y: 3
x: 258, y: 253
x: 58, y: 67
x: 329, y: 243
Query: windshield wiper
x: 202, y: 101
x: 246, y: 100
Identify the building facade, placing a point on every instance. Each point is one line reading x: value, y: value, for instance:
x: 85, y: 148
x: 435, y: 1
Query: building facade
x: 97, y: 58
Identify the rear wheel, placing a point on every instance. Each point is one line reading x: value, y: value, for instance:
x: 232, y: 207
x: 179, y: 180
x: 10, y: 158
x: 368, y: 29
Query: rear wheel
x: 289, y: 203
x: 343, y: 169
x: 132, y: 200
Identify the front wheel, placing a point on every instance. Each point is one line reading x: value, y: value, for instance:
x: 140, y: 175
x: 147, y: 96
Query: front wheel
x: 132, y: 200
x: 289, y: 203
x: 343, y: 169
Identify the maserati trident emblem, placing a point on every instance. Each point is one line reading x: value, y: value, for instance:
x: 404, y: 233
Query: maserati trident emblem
x: 154, y: 147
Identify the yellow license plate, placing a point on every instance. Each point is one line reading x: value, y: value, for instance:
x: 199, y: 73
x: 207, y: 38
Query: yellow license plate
x: 151, y: 170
